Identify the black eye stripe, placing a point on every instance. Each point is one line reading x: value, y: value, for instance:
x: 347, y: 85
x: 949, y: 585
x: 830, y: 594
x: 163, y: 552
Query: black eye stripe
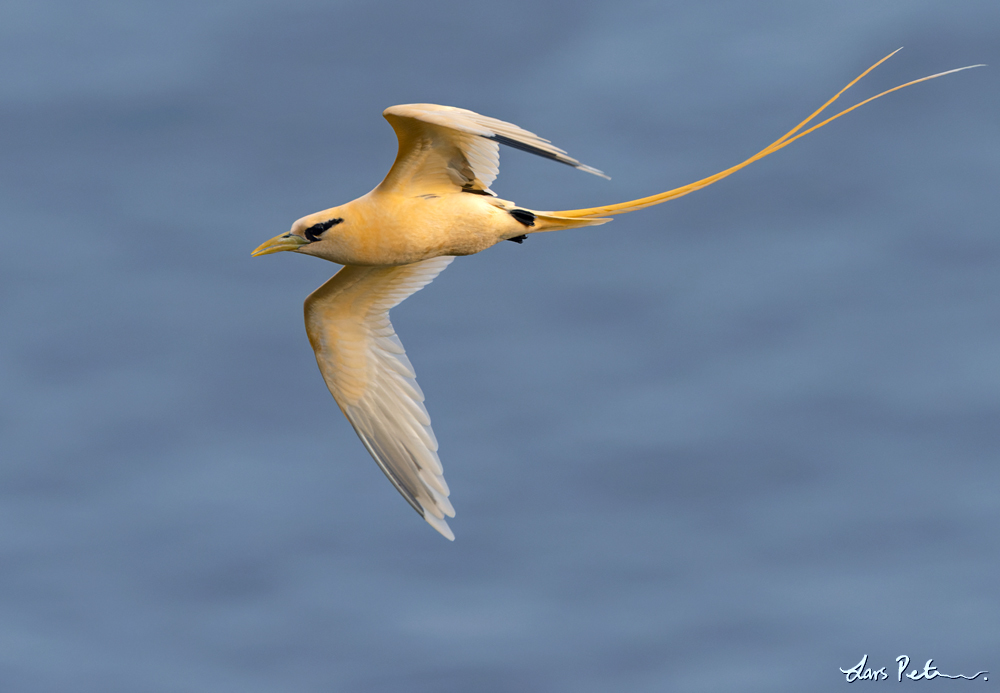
x: 313, y: 233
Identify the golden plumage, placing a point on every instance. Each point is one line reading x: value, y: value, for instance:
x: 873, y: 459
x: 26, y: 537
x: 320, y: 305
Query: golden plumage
x: 434, y: 204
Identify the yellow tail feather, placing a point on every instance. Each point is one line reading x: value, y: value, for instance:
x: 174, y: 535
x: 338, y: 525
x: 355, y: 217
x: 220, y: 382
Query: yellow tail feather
x: 551, y: 221
x: 784, y: 141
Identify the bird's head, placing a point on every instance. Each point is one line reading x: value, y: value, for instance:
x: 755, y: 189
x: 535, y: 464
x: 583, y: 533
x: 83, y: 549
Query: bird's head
x: 307, y: 235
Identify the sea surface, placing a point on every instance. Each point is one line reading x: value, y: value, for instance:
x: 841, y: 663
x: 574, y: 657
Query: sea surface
x: 731, y: 443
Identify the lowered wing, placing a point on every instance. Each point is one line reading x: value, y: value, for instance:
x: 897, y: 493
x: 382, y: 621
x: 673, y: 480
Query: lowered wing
x: 366, y: 369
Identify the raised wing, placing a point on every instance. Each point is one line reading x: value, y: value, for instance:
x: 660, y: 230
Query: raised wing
x: 366, y: 369
x: 444, y: 149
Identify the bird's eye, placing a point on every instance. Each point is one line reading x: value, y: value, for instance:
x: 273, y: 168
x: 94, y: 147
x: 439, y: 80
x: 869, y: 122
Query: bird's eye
x: 313, y: 233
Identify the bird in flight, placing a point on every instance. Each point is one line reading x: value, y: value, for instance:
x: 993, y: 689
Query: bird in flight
x: 433, y: 205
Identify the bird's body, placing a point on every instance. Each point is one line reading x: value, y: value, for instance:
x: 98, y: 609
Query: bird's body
x: 388, y: 228
x: 434, y: 204
x: 393, y: 229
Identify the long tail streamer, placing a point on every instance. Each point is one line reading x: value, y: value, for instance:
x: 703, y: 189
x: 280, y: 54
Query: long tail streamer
x: 784, y: 141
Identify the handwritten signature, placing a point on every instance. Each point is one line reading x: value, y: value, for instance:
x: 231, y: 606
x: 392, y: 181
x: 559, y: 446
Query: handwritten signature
x: 862, y: 672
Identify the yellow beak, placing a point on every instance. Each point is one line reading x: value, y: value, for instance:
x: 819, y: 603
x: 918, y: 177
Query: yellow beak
x: 286, y: 241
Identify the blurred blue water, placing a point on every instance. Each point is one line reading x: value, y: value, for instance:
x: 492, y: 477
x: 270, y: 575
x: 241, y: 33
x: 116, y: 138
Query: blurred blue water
x: 730, y: 443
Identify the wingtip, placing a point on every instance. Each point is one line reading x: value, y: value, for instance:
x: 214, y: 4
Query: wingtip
x: 440, y: 525
x: 591, y: 169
